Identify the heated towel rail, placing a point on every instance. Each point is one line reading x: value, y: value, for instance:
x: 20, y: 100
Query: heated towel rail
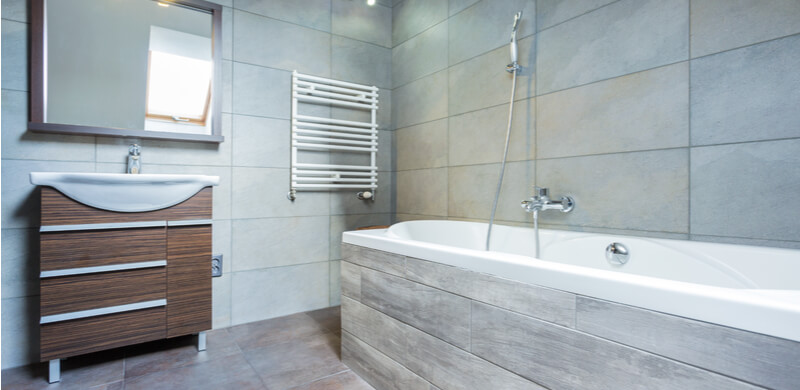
x: 317, y: 133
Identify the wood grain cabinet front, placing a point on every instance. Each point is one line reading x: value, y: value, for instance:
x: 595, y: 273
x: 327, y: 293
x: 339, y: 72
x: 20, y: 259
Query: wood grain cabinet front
x: 110, y: 279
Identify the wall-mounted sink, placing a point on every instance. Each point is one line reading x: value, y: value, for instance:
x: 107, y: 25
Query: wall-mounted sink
x: 123, y: 192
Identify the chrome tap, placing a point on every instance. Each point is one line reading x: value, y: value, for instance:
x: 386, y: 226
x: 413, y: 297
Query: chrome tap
x: 541, y: 201
x: 134, y: 159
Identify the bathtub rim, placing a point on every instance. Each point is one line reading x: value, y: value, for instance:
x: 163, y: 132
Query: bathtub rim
x: 773, y: 313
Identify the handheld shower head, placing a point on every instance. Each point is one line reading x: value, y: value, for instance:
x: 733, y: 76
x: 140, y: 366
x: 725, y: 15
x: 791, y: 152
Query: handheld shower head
x: 517, y: 17
x: 513, y: 66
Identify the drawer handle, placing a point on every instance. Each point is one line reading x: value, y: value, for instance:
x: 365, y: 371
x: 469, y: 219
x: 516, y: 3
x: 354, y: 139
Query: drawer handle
x: 102, y: 311
x: 102, y: 268
x: 101, y: 226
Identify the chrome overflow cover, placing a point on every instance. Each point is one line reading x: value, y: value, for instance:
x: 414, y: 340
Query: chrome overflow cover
x: 617, y: 253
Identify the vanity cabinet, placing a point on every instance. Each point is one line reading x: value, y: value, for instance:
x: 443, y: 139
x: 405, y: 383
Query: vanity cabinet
x: 110, y: 279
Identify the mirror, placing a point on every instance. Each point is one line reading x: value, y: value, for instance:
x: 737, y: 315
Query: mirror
x: 132, y: 68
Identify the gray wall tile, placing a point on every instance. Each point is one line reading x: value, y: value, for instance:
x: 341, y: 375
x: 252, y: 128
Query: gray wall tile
x: 275, y: 292
x: 646, y: 110
x: 20, y: 262
x: 718, y: 172
x: 747, y: 94
x: 261, y: 91
x: 15, y: 10
x: 269, y: 42
x: 539, y: 302
x: 640, y: 191
x: 15, y: 54
x: 274, y: 242
x: 483, y: 82
x: 19, y: 143
x: 479, y: 137
x: 422, y: 192
x: 422, y: 146
x: 376, y: 368
x: 622, y: 38
x: 439, y: 313
x: 315, y: 14
x: 380, y: 331
x: 419, y: 56
x: 354, y: 19
x: 758, y: 359
x: 744, y: 22
x: 361, y: 62
x: 391, y: 263
x: 260, y: 142
x: 261, y: 193
x: 560, y: 358
x: 343, y: 223
x: 412, y: 17
x: 227, y: 33
x: 487, y: 26
x: 552, y: 12
x: 351, y: 280
x: 221, y: 301
x: 746, y: 241
x: 20, y: 331
x: 335, y: 286
x: 456, y: 6
x: 452, y: 368
x: 227, y: 86
x: 420, y: 101
x: 346, y: 202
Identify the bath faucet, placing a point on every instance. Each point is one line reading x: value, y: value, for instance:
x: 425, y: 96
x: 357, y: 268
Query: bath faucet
x: 541, y: 201
x: 134, y: 159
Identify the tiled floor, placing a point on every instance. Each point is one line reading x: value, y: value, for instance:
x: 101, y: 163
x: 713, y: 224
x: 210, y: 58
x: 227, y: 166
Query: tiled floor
x: 298, y: 352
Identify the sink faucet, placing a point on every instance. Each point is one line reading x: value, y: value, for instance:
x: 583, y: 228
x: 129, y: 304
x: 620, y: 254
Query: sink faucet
x: 541, y: 201
x: 134, y: 159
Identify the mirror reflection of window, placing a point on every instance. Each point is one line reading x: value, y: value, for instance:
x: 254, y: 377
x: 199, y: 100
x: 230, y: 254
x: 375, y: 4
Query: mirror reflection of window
x: 179, y: 75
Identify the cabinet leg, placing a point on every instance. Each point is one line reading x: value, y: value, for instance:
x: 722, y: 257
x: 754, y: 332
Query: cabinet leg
x: 55, y: 371
x: 201, y: 341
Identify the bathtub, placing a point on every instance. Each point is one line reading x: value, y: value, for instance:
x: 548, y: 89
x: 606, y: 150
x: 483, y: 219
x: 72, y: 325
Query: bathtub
x: 746, y: 287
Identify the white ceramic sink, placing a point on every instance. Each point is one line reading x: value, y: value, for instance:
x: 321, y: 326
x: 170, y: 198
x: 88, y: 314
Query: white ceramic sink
x: 123, y: 192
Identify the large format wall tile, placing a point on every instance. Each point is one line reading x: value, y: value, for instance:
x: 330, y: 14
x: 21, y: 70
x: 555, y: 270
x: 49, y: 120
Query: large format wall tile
x: 269, y: 42
x: 422, y: 191
x: 640, y: 191
x: 483, y: 82
x: 261, y: 91
x: 221, y: 301
x: 525, y: 346
x: 543, y: 303
x: 420, y: 56
x: 274, y: 242
x: 20, y: 262
x: 625, y: 37
x: 479, y: 137
x: 721, y: 174
x: 354, y: 19
x: 487, y: 26
x: 471, y: 190
x: 20, y: 331
x: 758, y: 359
x: 437, y: 312
x: 359, y: 62
x: 411, y: 17
x: 309, y: 13
x: 260, y: 142
x: 422, y: 146
x: 745, y: 22
x: 15, y: 55
x: 20, y: 143
x: 342, y: 223
x: 275, y: 292
x: 747, y: 94
x: 646, y: 110
x: 261, y: 193
x: 16, y: 10
x: 552, y: 12
x: 420, y: 101
x: 376, y: 368
x: 456, y: 6
x: 335, y: 287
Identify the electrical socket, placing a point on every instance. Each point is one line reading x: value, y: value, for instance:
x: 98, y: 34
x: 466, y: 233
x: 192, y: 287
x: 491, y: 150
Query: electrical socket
x: 216, y: 265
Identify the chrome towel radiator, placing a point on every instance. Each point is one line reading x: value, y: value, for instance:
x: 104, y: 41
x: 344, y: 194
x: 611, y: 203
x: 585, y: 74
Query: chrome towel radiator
x: 338, y: 135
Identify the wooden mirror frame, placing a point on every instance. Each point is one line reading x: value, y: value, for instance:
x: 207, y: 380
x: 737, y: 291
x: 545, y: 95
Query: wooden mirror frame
x: 38, y: 93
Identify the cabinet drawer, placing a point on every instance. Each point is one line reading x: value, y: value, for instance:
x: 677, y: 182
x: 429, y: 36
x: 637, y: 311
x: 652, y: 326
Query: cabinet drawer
x: 77, y: 249
x: 75, y: 337
x: 67, y: 294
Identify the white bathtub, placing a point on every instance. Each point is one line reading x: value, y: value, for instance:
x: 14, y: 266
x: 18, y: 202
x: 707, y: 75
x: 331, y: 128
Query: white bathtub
x: 746, y: 287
